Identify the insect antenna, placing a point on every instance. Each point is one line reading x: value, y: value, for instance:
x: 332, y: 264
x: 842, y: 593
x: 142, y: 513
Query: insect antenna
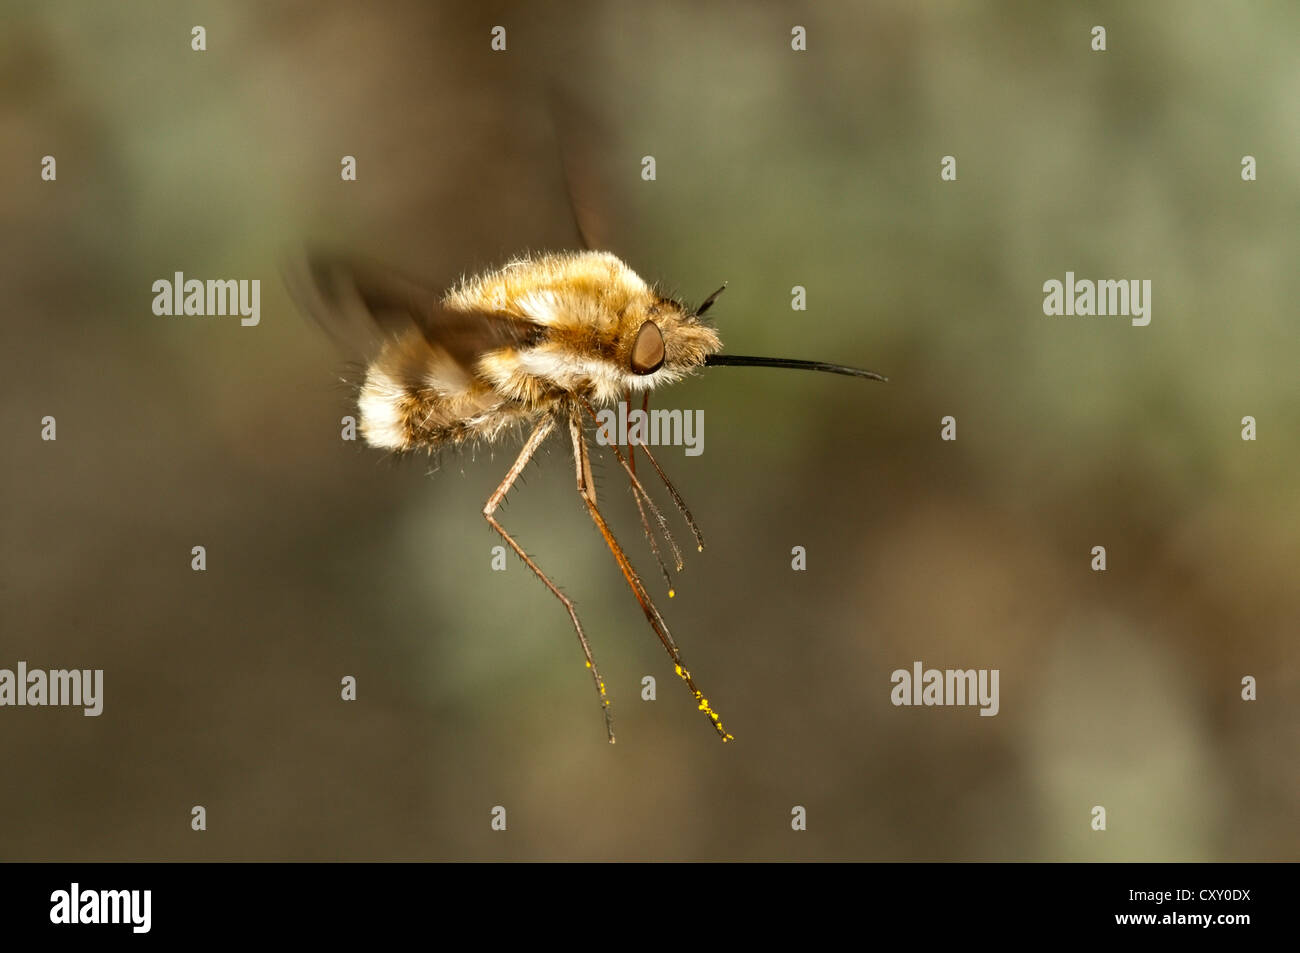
x: 708, y: 302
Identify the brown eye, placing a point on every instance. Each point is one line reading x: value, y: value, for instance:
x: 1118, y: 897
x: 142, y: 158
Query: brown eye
x: 648, y: 351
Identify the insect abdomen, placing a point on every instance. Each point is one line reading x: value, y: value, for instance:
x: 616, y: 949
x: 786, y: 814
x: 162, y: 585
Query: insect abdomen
x: 402, y: 411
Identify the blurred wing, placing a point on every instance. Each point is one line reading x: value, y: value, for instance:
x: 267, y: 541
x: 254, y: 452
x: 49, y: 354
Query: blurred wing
x: 581, y: 137
x: 362, y: 306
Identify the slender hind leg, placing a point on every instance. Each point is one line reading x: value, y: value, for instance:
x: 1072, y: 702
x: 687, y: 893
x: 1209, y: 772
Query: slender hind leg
x: 534, y: 441
x: 587, y: 490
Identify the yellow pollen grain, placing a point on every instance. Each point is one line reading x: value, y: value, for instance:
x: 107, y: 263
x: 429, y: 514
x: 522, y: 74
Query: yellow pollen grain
x: 671, y: 593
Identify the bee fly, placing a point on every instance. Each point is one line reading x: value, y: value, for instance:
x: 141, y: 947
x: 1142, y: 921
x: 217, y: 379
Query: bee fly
x: 538, y: 343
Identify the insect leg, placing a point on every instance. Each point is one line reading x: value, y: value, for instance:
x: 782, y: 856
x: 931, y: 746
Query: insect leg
x: 640, y: 508
x: 638, y: 493
x: 587, y: 490
x: 654, y: 544
x: 672, y: 490
x: 677, y: 498
x: 534, y: 441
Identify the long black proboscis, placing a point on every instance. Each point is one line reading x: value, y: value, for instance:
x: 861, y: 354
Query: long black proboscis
x: 740, y: 360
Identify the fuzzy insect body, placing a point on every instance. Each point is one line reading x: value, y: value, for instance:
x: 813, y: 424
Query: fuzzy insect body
x: 550, y: 329
x: 537, y: 342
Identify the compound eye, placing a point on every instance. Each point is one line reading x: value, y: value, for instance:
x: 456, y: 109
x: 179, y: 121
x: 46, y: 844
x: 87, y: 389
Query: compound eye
x: 648, y: 349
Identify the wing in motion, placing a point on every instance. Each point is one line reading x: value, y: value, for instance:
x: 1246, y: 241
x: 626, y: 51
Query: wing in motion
x: 422, y: 386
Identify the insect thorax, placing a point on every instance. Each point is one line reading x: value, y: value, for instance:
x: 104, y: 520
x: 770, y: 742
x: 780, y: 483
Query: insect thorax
x: 562, y: 329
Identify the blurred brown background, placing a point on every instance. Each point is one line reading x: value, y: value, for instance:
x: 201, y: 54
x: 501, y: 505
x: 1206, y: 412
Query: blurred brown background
x: 775, y: 168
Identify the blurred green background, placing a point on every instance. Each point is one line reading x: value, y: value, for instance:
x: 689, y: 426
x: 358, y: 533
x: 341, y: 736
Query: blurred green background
x: 775, y: 169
